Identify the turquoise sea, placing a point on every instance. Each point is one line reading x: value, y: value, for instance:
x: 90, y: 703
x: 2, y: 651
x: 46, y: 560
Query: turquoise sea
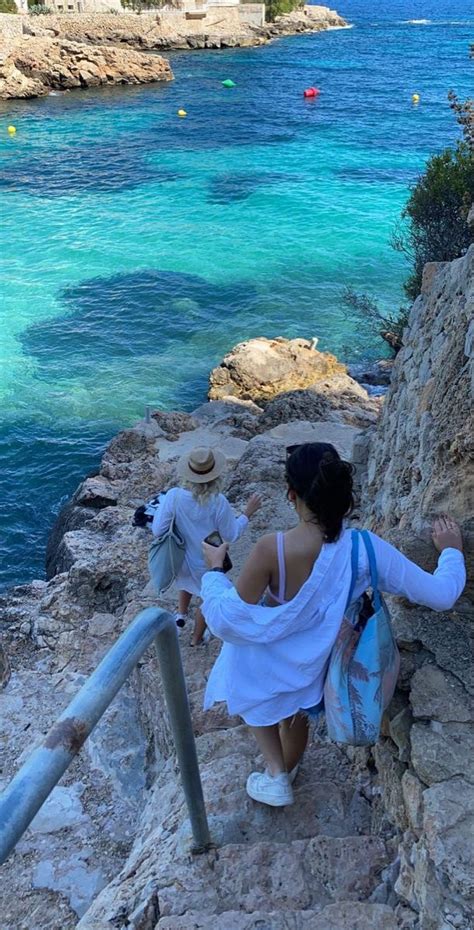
x: 138, y: 247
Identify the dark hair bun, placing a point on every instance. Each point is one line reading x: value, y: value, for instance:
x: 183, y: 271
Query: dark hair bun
x: 319, y: 476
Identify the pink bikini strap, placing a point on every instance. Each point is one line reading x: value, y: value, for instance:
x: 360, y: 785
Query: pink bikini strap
x: 281, y: 567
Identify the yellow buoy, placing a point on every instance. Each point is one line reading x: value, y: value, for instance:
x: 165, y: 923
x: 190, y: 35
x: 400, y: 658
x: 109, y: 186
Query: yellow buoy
x: 182, y: 113
x: 11, y: 130
x: 415, y: 98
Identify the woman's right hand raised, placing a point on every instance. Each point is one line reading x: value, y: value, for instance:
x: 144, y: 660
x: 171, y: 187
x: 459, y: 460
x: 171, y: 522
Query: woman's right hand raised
x: 446, y: 534
x: 253, y: 504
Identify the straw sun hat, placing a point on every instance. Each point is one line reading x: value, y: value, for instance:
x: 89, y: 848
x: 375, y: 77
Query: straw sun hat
x: 201, y: 465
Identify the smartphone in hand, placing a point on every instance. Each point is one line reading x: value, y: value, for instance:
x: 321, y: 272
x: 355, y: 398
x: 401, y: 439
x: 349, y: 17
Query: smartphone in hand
x: 215, y: 539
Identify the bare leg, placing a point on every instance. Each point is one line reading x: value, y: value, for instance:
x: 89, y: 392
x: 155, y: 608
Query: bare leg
x: 269, y: 743
x: 294, y: 733
x: 184, y: 600
x: 199, y: 627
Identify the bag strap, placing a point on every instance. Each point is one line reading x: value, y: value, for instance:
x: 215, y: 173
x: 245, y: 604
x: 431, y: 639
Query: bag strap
x: 354, y: 563
x: 374, y: 579
x: 173, y: 515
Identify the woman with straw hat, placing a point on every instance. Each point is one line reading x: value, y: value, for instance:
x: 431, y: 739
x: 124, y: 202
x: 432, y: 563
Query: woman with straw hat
x: 199, y: 509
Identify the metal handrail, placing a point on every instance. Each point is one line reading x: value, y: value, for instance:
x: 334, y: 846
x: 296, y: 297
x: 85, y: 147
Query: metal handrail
x: 36, y: 779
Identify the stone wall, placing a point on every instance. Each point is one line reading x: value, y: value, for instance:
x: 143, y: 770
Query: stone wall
x: 420, y: 464
x: 252, y: 13
x: 144, y: 31
x: 421, y: 457
x: 220, y: 20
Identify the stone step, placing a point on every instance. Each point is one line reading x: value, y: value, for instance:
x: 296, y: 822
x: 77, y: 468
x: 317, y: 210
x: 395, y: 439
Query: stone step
x: 341, y: 916
x: 341, y: 435
x: 304, y: 874
x: 327, y: 799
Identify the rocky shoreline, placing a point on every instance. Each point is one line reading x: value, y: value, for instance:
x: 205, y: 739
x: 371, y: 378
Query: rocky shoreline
x: 34, y: 67
x: 66, y: 51
x: 377, y: 840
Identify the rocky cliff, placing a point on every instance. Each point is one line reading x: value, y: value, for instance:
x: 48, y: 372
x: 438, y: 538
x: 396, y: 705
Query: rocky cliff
x: 32, y: 67
x: 421, y: 457
x: 376, y: 840
x: 420, y: 463
x: 221, y: 27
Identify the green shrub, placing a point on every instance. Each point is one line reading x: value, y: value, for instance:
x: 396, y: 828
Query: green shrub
x: 138, y: 5
x: 8, y: 6
x: 274, y: 8
x: 389, y: 326
x: 435, y: 227
x: 38, y: 9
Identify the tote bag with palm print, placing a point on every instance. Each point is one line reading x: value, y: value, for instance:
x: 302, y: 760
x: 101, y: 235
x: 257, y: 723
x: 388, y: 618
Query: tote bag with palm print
x: 364, y: 663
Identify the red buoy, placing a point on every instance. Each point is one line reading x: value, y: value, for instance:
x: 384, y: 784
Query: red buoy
x: 311, y: 92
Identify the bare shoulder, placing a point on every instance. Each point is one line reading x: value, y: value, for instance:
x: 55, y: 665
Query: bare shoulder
x: 266, y: 543
x: 265, y: 548
x: 257, y: 570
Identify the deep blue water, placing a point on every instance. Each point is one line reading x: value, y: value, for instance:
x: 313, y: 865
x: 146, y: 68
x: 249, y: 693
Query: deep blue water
x: 138, y: 247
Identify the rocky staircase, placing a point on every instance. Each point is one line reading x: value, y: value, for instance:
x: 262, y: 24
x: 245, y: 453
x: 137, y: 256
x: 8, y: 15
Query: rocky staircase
x: 326, y: 862
x: 316, y: 864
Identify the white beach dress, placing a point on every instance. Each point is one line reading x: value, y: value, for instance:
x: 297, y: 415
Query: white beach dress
x: 195, y: 522
x: 274, y: 659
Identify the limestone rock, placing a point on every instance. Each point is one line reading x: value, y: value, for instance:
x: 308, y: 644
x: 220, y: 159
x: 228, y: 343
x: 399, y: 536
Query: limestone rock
x: 96, y: 492
x: 438, y: 695
x: 337, y: 399
x: 449, y: 827
x: 412, y: 789
x: 346, y: 916
x: 340, y: 435
x: 346, y: 867
x: 390, y: 771
x: 71, y: 517
x: 399, y: 730
x: 261, y: 369
x: 447, y: 638
x: 421, y: 451
x: 292, y: 381
x: 174, y: 423
x: 5, y: 670
x: 33, y: 66
x: 442, y: 750
x: 307, y: 19
x: 128, y: 446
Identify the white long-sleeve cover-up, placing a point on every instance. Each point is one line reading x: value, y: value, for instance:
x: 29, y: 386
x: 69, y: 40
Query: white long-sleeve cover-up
x: 195, y: 522
x: 274, y: 659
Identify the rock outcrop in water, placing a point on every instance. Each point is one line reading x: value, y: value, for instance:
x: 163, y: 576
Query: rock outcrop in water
x: 32, y: 67
x: 293, y: 375
x: 375, y: 841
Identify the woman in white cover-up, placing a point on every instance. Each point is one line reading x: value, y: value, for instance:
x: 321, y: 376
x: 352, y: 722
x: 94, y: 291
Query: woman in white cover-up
x: 200, y: 509
x: 279, y: 623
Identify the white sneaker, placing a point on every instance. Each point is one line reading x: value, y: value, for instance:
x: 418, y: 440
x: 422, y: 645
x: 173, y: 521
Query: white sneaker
x: 274, y: 790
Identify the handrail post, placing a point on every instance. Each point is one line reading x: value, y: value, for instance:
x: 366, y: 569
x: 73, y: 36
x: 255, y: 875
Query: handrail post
x: 177, y: 703
x: 32, y: 784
